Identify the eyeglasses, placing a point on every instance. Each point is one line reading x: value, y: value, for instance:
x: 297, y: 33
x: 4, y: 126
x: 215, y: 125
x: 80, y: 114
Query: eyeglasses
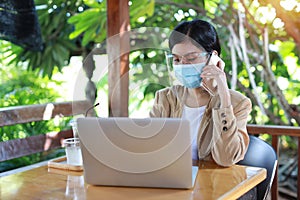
x: 190, y: 58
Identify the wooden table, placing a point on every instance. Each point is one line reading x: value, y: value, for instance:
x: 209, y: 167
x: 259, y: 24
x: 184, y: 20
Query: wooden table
x: 213, y: 182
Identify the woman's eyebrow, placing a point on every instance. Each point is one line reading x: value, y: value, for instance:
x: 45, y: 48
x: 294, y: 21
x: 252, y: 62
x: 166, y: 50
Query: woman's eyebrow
x: 185, y: 54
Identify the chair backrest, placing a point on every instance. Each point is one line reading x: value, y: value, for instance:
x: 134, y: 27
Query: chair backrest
x: 261, y: 154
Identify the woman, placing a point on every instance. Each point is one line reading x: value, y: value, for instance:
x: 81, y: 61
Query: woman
x: 217, y: 114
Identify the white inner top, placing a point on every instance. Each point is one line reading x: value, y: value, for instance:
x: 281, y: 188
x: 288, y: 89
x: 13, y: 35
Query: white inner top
x: 194, y: 116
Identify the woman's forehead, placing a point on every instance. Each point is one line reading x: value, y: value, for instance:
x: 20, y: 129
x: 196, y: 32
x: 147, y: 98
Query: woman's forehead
x: 185, y: 47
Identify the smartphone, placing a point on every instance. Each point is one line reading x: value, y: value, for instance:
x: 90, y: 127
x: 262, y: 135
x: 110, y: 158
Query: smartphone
x: 209, y: 57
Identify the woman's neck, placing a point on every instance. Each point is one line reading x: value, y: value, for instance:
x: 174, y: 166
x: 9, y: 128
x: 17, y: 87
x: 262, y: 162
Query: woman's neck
x: 197, y: 97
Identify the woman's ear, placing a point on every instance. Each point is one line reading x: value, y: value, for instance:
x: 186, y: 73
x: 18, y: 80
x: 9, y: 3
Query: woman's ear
x: 215, y: 52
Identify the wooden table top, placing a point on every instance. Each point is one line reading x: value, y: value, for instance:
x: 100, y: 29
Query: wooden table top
x: 213, y: 182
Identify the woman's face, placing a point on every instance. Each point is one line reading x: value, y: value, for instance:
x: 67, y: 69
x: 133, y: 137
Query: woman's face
x: 187, y: 53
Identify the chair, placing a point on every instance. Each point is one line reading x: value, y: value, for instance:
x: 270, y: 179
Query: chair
x: 261, y: 154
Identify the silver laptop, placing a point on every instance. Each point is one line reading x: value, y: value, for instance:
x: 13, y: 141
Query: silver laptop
x: 148, y: 152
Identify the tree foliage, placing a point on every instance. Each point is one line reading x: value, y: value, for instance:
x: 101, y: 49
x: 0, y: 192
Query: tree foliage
x: 57, y: 47
x: 21, y: 87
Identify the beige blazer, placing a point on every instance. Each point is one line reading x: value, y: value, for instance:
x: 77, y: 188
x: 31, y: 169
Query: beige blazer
x: 222, y: 135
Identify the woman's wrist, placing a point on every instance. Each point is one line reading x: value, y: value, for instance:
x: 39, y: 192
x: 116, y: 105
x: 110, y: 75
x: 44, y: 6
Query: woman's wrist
x: 225, y: 99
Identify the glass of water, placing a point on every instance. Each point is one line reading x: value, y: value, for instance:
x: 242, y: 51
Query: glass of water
x: 73, y: 151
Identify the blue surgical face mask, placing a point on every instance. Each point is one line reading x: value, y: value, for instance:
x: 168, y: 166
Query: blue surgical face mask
x: 189, y: 74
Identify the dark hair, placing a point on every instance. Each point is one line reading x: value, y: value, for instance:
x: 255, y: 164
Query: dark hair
x: 199, y: 32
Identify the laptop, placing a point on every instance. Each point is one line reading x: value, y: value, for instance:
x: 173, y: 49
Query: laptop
x: 137, y: 152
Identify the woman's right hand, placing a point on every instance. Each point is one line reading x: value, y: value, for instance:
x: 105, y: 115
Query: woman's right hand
x: 214, y: 79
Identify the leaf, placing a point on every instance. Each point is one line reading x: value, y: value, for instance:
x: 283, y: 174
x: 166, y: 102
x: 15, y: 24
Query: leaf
x: 49, y: 67
x: 141, y: 8
x: 56, y: 21
x: 85, y: 24
x: 61, y: 49
x: 285, y: 48
x: 151, y: 7
x: 54, y: 53
x: 94, y: 4
x: 74, y: 19
x: 76, y: 33
x: 100, y: 37
x: 89, y: 36
x: 82, y: 17
x: 39, y: 58
x: 47, y: 51
x: 67, y: 43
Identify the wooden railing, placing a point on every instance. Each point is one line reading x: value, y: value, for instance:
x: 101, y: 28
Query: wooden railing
x: 44, y: 142
x: 276, y: 132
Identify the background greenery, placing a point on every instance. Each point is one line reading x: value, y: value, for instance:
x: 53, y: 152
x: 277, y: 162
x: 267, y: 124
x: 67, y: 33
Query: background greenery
x: 259, y: 46
x: 22, y: 87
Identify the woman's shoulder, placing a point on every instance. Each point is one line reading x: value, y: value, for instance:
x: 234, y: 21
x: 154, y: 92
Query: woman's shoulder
x: 171, y: 90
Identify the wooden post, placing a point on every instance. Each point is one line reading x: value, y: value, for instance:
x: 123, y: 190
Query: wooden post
x: 118, y: 56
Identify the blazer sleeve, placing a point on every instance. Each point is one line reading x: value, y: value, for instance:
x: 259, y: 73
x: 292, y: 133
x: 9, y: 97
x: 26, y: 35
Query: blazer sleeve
x: 230, y: 133
x: 166, y: 103
x: 161, y: 106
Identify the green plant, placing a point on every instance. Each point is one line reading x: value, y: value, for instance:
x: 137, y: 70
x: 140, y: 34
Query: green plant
x: 21, y: 87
